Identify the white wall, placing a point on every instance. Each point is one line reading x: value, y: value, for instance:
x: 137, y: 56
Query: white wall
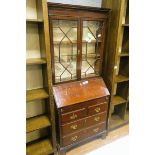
x: 95, y: 3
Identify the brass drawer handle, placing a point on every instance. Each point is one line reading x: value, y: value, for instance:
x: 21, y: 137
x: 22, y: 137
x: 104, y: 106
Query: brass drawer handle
x: 97, y: 109
x: 74, y: 138
x: 97, y: 119
x: 96, y: 130
x: 74, y: 127
x: 73, y: 116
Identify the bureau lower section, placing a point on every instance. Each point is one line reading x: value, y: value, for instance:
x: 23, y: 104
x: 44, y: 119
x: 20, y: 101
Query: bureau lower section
x: 81, y: 112
x: 82, y: 120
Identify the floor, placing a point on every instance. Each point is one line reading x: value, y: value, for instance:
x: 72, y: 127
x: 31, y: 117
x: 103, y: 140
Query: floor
x: 96, y: 146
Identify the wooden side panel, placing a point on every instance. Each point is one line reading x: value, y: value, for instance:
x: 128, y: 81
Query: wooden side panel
x: 49, y: 71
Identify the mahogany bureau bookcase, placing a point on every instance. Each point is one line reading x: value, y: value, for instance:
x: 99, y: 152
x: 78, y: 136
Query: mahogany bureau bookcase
x: 78, y: 61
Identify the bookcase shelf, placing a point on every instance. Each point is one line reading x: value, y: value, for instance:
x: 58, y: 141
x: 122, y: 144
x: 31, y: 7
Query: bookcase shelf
x: 125, y: 24
x: 34, y: 20
x: 37, y: 122
x: 118, y: 100
x: 121, y: 78
x: 35, y: 61
x: 36, y: 94
x: 39, y: 147
x: 124, y: 54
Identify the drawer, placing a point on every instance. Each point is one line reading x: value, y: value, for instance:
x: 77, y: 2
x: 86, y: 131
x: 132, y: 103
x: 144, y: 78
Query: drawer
x: 96, y: 119
x: 74, y: 115
x: 95, y: 129
x: 73, y: 138
x: 94, y: 109
x: 72, y: 127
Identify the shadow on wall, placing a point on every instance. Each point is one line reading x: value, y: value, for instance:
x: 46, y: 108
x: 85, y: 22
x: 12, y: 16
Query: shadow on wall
x: 96, y: 3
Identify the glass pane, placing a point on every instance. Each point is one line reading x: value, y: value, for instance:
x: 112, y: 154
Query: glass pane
x: 65, y: 49
x: 91, y: 48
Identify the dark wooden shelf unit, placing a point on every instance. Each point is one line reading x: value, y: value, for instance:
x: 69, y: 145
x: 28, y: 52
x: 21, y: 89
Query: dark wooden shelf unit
x: 40, y: 121
x: 117, y: 69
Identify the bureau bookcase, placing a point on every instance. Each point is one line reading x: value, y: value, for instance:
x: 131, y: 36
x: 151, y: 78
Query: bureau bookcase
x: 40, y: 117
x: 77, y: 39
x: 117, y: 69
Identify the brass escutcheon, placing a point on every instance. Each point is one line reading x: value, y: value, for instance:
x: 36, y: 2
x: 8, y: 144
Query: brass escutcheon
x: 96, y: 130
x: 97, y: 109
x: 73, y: 126
x: 73, y: 116
x: 74, y: 138
x: 97, y: 119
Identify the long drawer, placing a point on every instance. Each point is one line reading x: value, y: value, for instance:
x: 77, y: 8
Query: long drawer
x: 76, y: 137
x: 83, y: 123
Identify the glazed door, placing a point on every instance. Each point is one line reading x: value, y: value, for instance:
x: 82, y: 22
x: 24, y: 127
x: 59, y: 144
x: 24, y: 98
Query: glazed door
x: 64, y: 49
x: 76, y: 48
x: 93, y: 36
